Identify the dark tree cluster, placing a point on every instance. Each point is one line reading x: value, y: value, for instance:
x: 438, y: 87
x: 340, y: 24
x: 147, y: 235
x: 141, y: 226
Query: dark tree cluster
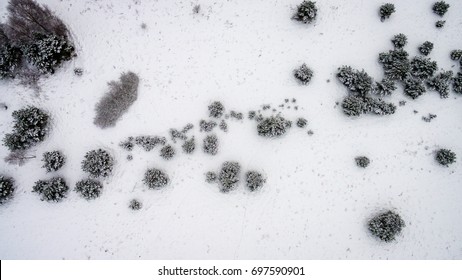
x: 89, y: 188
x: 189, y: 146
x: 440, y: 8
x: 445, y: 157
x: 357, y: 82
x: 457, y: 83
x: 306, y: 12
x: 30, y: 127
x: 426, y: 48
x: 441, y: 83
x: 167, y: 152
x: 456, y: 54
x: 210, y: 144
x: 423, y: 68
x: 414, y: 87
x: 386, y: 226
x: 395, y: 64
x: 155, y: 178
x: 273, y: 127
x: 54, y: 189
x: 6, y: 189
x: 229, y: 175
x: 303, y: 74
x: 384, y: 88
x: 216, y: 109
x: 150, y: 142
x: 399, y: 41
x: 53, y: 161
x: 386, y: 10
x: 254, y: 180
x: 354, y: 106
x: 98, y: 163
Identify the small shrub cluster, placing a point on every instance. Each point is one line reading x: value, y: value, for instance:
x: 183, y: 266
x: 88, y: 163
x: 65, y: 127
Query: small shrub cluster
x: 386, y: 10
x: 358, y: 82
x: 10, y: 60
x: 274, y: 126
x: 306, y: 12
x: 422, y: 68
x: 135, y: 204
x: 89, y: 188
x: 386, y: 226
x: 355, y: 106
x: 254, y: 180
x: 210, y: 144
x: 189, y: 146
x: 223, y: 126
x: 30, y: 127
x: 155, y: 178
x: 6, y: 189
x: 216, y: 109
x: 229, y: 175
x: 362, y: 161
x: 384, y: 88
x: 426, y: 48
x: 440, y: 23
x: 301, y: 122
x: 149, y: 142
x: 440, y: 83
x: 303, y: 74
x: 207, y: 126
x: 176, y: 134
x: 167, y: 152
x: 414, y: 88
x: 211, y: 177
x: 121, y: 95
x: 457, y: 83
x: 456, y: 54
x: 399, y: 41
x: 236, y: 115
x: 53, y: 161
x: 395, y: 64
x: 54, y: 189
x: 445, y: 157
x: 128, y: 144
x: 98, y: 163
x: 440, y: 8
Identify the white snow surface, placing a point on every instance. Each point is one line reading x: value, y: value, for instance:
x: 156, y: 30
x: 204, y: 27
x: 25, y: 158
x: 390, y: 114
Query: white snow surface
x: 316, y: 202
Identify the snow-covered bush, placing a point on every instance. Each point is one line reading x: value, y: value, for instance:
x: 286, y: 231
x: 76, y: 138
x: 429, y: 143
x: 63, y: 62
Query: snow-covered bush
x: 386, y: 226
x: 358, y: 82
x: 149, y: 142
x: 53, y: 161
x: 176, y: 134
x: 6, y: 189
x: 306, y: 12
x: 207, y: 126
x: 457, y: 83
x: 89, y: 188
x: 167, y: 152
x: 413, y: 88
x: 386, y: 10
x: 445, y: 157
x: 210, y: 144
x: 48, y: 52
x: 135, y: 204
x: 440, y: 23
x: 10, y: 59
x: 98, y: 163
x: 426, y: 48
x: 301, y: 122
x: 189, y: 146
x: 395, y: 64
x: 399, y: 40
x: 440, y: 83
x: 210, y: 177
x: 303, y: 74
x: 128, y: 144
x: 155, y: 178
x: 229, y: 175
x: 353, y: 106
x: 423, y: 68
x: 440, y: 8
x: 236, y: 115
x: 223, y: 126
x: 254, y: 180
x: 216, y: 109
x: 274, y: 126
x: 456, y: 54
x: 362, y: 161
x: 116, y: 102
x: 379, y: 107
x: 54, y: 189
x: 30, y: 127
x: 385, y: 87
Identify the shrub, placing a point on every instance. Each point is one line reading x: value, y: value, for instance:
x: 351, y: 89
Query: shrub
x: 89, y: 188
x: 121, y: 95
x: 53, y: 161
x: 223, y: 126
x: 385, y: 87
x: 303, y: 74
x: 426, y: 48
x: 30, y: 127
x: 306, y: 12
x: 399, y: 40
x: 251, y: 115
x: 210, y: 177
x: 456, y: 54
x: 440, y: 8
x: 135, y: 204
x: 440, y: 23
x: 379, y: 107
x: 176, y: 134
x: 98, y: 163
x: 128, y: 144
x: 167, y: 152
x: 353, y: 106
x: 216, y: 109
x: 189, y: 146
x: 413, y: 88
x: 210, y: 145
x: 386, y: 226
x: 10, y: 59
x: 207, y: 126
x: 254, y: 180
x: 229, y: 175
x: 358, y: 82
x: 155, y: 178
x: 149, y: 142
x: 236, y: 115
x: 362, y: 161
x: 6, y: 189
x: 274, y: 126
x: 440, y: 83
x: 301, y: 122
x: 457, y: 83
x: 395, y: 64
x: 78, y: 71
x: 445, y: 157
x: 48, y: 52
x: 422, y: 68
x: 54, y: 189
x: 386, y: 10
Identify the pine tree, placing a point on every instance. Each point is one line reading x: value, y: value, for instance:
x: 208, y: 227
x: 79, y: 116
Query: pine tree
x: 54, y: 189
x: 210, y: 144
x: 53, y: 161
x: 386, y: 226
x: 399, y: 40
x: 445, y: 157
x: 306, y: 12
x: 155, y: 178
x: 254, y: 180
x: 362, y: 161
x: 98, y: 163
x: 273, y: 127
x: 229, y: 175
x: 440, y: 83
x: 440, y: 8
x: 386, y: 10
x: 7, y: 189
x: 216, y: 109
x: 303, y: 74
x: 89, y: 188
x: 414, y: 88
x: 426, y: 48
x: 423, y: 68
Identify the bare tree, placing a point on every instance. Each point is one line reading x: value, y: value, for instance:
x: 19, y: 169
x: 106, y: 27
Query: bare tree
x: 18, y: 157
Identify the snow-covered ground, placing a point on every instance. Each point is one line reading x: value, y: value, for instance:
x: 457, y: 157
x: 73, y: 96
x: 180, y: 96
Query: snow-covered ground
x: 316, y: 201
